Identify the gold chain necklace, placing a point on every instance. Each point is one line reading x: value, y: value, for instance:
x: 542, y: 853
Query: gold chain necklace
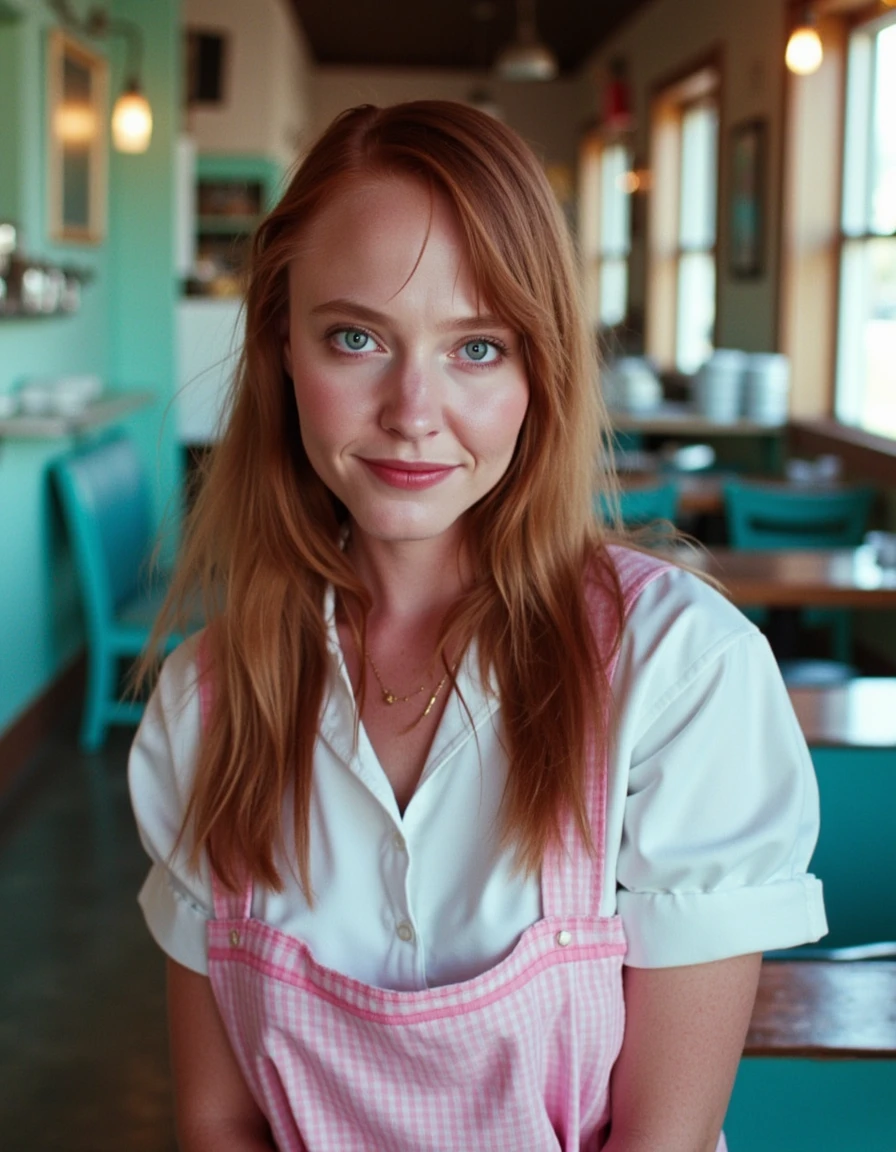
x: 390, y: 698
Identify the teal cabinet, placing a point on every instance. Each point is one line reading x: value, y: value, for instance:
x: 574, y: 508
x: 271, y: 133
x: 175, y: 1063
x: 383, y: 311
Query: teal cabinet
x: 233, y: 193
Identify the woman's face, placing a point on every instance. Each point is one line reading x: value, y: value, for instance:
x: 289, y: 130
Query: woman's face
x: 410, y: 395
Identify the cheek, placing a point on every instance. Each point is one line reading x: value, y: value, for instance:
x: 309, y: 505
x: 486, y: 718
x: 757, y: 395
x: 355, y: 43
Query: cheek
x: 324, y: 411
x: 496, y: 423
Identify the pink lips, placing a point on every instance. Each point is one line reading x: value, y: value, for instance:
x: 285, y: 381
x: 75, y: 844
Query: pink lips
x: 412, y: 477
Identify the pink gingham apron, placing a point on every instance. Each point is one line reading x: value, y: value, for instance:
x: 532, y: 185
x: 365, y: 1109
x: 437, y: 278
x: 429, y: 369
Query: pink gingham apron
x: 517, y: 1059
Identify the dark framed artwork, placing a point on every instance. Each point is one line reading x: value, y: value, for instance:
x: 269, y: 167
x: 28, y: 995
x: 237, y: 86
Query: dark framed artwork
x: 206, y: 60
x: 77, y: 97
x: 747, y: 198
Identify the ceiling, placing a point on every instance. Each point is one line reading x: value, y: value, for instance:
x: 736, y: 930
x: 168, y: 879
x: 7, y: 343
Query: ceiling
x: 454, y: 34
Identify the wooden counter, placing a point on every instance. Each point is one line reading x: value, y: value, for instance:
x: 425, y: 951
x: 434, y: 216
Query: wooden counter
x: 825, y: 1010
x: 858, y: 714
x: 795, y: 578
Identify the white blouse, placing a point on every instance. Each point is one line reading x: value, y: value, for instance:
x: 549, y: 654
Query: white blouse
x: 712, y: 815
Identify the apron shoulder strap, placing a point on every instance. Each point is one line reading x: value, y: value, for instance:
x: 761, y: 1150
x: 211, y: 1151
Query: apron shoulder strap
x: 572, y: 879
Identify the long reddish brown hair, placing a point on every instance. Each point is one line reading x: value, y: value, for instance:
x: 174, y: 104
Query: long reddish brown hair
x: 262, y: 542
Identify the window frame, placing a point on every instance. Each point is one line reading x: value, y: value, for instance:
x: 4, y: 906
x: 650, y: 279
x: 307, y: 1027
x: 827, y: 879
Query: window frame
x: 856, y: 236
x: 701, y: 83
x: 595, y: 252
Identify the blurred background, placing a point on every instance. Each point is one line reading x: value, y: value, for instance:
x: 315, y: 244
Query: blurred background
x: 728, y: 171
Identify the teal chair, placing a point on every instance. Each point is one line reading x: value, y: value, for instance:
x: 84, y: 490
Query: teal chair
x: 855, y: 857
x: 642, y: 506
x: 106, y: 507
x: 766, y: 516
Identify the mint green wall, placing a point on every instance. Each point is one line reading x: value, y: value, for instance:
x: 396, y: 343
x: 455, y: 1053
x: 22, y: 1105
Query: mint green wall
x: 124, y: 330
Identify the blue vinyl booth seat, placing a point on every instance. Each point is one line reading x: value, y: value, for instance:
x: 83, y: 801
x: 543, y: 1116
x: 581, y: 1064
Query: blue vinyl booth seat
x: 106, y: 507
x: 764, y: 516
x: 640, y: 506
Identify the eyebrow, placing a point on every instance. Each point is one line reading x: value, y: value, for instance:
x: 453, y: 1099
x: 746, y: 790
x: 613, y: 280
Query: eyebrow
x: 362, y: 312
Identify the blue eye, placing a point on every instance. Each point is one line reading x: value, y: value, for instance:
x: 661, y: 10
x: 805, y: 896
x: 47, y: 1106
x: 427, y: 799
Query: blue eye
x: 353, y: 340
x: 480, y: 351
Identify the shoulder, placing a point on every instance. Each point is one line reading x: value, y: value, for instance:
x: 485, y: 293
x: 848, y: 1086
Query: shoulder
x: 658, y: 603
x: 678, y: 629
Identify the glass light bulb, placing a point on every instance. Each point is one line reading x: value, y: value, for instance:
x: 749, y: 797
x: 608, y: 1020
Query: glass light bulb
x: 131, y: 122
x: 804, y: 51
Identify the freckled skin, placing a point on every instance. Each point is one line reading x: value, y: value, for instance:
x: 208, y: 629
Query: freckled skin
x: 410, y: 397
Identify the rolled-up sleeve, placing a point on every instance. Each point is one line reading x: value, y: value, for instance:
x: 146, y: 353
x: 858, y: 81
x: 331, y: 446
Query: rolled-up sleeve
x: 720, y: 813
x: 175, y: 899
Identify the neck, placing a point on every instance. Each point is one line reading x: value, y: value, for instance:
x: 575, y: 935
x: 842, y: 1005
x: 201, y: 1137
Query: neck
x: 410, y: 580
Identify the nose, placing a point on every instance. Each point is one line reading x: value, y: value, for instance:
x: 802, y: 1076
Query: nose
x: 411, y: 406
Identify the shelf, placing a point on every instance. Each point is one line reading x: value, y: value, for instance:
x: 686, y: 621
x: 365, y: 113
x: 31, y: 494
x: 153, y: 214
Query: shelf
x: 103, y: 411
x: 684, y: 420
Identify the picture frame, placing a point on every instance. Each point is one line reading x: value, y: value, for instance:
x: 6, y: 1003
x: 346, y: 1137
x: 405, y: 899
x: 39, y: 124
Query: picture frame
x: 77, y: 149
x: 747, y: 199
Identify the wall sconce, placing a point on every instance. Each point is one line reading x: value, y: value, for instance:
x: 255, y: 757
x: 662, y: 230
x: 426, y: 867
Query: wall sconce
x: 131, y: 115
x: 804, y: 52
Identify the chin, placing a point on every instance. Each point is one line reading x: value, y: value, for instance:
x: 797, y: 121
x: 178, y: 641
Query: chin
x: 399, y: 528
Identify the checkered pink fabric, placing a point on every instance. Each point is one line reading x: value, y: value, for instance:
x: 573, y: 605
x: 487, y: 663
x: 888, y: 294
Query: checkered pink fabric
x: 518, y: 1058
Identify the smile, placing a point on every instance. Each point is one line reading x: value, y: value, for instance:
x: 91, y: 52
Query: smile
x: 410, y: 477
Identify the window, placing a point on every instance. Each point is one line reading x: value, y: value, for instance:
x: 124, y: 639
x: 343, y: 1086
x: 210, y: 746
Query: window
x: 682, y: 263
x: 605, y: 176
x: 866, y: 337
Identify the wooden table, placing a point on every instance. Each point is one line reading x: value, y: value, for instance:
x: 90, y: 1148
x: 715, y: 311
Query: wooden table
x: 858, y: 714
x: 825, y: 1010
x: 683, y: 421
x: 680, y: 419
x: 792, y: 578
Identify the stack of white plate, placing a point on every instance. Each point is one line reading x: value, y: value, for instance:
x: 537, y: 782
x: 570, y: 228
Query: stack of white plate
x: 766, y: 387
x: 718, y: 386
x: 630, y: 384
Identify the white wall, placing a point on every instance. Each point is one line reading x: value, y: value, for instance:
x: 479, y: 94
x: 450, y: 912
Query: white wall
x: 266, y: 104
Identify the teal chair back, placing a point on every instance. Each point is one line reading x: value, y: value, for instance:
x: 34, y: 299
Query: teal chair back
x: 639, y: 506
x: 107, y: 509
x: 106, y: 505
x: 761, y: 516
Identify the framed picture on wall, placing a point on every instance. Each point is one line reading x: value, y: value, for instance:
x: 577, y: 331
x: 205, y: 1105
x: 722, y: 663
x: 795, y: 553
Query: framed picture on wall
x: 77, y: 99
x: 747, y: 214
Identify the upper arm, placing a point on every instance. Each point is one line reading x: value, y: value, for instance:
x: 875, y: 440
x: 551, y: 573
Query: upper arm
x: 684, y: 1033
x: 213, y: 1105
x: 714, y: 804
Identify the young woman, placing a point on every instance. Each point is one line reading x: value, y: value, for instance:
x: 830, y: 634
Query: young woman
x: 468, y: 824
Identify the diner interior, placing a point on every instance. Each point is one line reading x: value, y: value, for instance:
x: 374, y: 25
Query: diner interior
x: 728, y: 171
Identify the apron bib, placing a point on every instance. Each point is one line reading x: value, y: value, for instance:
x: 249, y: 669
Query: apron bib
x: 517, y: 1059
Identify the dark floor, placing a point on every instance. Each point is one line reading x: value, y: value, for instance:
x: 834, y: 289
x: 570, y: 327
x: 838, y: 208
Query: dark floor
x: 83, y: 1057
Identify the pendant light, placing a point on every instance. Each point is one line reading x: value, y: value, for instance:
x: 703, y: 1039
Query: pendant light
x: 131, y: 115
x: 804, y: 52
x: 526, y: 58
x: 131, y: 120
